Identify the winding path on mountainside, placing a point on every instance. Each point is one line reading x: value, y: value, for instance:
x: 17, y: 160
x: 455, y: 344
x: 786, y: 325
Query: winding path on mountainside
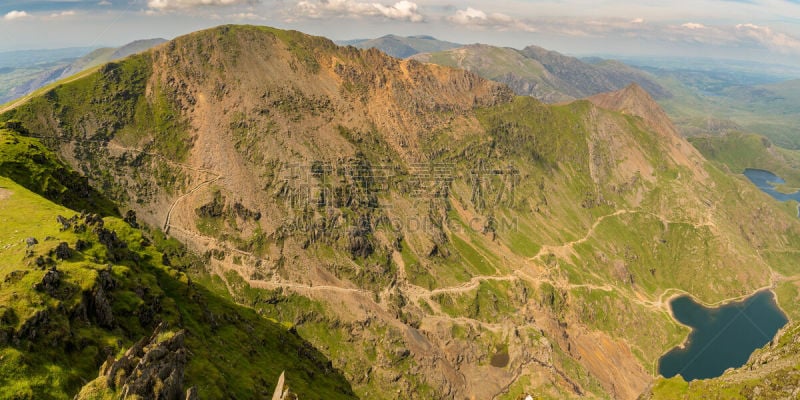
x: 545, y: 249
x: 413, y: 292
x: 214, y: 176
x: 550, y: 248
x: 172, y: 206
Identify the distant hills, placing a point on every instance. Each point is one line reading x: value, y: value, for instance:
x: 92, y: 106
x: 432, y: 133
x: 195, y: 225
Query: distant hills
x: 723, y: 101
x: 402, y: 47
x: 544, y: 74
x: 702, y: 96
x: 47, y: 66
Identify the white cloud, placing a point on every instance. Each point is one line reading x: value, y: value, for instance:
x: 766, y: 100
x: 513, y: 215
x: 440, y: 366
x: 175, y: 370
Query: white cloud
x: 477, y: 18
x: 12, y: 15
x: 769, y: 38
x: 104, y: 3
x: 637, y: 21
x: 469, y: 16
x: 319, y: 9
x: 178, y: 4
x: 245, y: 16
x: 62, y: 14
x: 693, y: 25
x: 402, y: 10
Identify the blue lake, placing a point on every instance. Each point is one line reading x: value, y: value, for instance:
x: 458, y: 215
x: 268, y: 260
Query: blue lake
x: 766, y: 181
x: 722, y: 337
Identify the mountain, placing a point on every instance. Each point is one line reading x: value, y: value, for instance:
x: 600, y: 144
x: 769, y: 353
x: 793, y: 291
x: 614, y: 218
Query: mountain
x: 543, y: 74
x: 402, y: 47
x: 106, y: 54
x: 430, y: 233
x: 67, y: 67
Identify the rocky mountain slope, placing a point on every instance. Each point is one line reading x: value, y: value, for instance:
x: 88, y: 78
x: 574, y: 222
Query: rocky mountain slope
x: 431, y: 234
x: 546, y: 75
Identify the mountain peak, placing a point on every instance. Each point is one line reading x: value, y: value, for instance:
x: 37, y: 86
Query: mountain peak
x: 634, y: 100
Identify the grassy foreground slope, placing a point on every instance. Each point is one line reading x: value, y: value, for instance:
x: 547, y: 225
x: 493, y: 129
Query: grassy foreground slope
x: 79, y: 290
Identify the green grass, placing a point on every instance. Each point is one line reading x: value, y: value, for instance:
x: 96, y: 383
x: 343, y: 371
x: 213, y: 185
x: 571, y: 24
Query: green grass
x: 28, y: 162
x: 492, y: 301
x: 650, y: 333
x: 235, y: 353
x: 115, y: 101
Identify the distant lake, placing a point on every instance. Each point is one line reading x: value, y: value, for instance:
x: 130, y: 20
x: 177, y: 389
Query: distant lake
x: 766, y: 181
x: 722, y: 337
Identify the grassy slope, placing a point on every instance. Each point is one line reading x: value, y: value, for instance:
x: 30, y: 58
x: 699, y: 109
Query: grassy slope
x: 234, y: 352
x: 34, y: 166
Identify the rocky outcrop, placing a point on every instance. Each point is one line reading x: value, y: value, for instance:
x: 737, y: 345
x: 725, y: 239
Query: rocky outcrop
x: 50, y: 282
x: 152, y: 369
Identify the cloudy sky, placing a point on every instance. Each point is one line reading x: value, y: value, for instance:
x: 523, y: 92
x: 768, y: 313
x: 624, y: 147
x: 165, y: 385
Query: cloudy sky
x: 738, y: 29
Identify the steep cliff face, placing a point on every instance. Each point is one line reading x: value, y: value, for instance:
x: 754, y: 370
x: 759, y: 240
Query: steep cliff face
x: 431, y: 234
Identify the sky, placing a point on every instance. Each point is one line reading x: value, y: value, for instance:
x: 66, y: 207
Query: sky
x: 760, y: 30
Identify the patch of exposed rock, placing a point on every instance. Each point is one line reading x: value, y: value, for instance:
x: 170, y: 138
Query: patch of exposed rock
x: 153, y: 368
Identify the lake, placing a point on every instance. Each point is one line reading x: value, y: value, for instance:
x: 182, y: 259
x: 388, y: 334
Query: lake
x: 722, y: 337
x: 766, y: 181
